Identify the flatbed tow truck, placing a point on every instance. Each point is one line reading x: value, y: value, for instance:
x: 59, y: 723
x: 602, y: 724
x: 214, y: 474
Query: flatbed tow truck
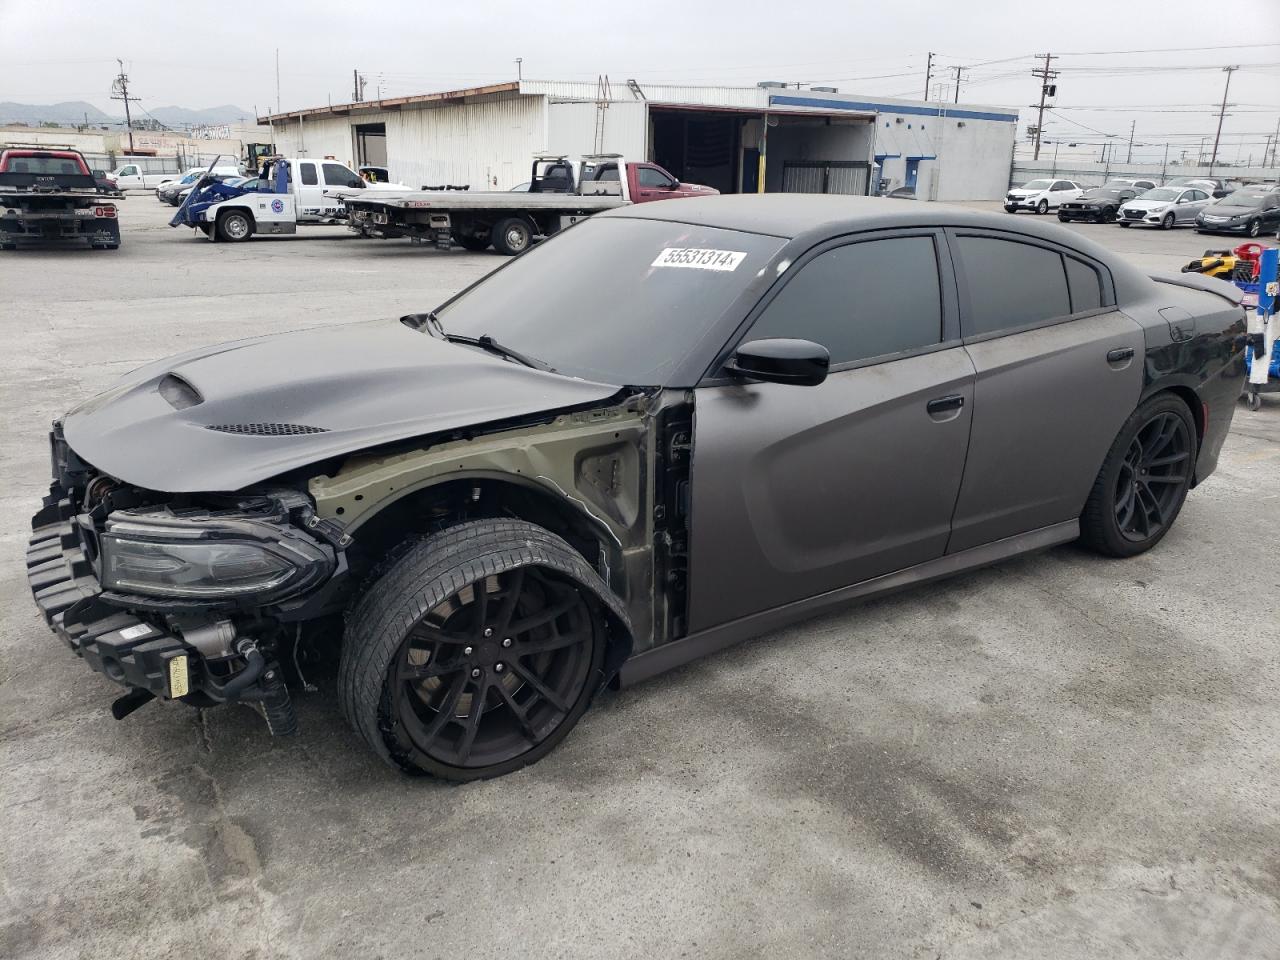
x: 561, y: 192
x: 50, y: 196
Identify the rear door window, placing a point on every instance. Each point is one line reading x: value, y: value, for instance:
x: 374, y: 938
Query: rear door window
x: 1010, y: 284
x: 1084, y: 284
x: 869, y: 299
x: 308, y: 174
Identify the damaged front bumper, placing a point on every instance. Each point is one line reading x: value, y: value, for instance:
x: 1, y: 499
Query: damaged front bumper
x: 202, y: 654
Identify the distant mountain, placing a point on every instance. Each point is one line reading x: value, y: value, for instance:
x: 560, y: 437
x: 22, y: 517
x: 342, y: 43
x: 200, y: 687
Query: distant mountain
x: 74, y: 112
x: 185, y: 117
x: 69, y: 113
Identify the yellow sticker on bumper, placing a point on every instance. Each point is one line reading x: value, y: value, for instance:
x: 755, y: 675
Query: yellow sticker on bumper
x: 179, y: 684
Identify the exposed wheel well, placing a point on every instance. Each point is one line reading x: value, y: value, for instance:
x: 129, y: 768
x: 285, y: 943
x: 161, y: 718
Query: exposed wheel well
x: 469, y: 498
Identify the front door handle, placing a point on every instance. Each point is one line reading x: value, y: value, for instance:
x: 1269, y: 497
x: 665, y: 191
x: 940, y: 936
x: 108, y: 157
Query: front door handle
x: 944, y: 405
x: 1119, y: 354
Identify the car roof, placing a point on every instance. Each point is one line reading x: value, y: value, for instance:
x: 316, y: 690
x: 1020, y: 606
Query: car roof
x: 790, y: 215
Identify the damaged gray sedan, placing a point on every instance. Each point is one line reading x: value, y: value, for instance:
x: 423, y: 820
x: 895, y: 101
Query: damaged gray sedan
x: 668, y: 429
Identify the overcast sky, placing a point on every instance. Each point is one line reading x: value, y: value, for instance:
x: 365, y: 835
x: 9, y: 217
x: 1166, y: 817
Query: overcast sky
x: 198, y: 55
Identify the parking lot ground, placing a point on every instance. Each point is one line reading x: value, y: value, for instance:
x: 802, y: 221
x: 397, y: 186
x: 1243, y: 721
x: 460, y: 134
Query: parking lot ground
x: 1057, y: 757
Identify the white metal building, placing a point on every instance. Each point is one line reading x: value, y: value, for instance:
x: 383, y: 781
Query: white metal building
x: 737, y: 139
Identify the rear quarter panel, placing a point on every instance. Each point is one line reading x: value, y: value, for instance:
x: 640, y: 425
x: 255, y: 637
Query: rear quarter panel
x: 1194, y: 343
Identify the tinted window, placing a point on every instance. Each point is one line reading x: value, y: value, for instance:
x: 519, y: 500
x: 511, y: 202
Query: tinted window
x: 863, y: 300
x: 309, y: 177
x: 336, y: 175
x: 1086, y: 288
x: 1063, y: 185
x: 650, y: 177
x: 1010, y: 284
x: 608, y: 173
x: 637, y: 327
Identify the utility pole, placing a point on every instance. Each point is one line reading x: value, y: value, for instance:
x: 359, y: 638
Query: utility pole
x: 928, y: 75
x: 1275, y: 146
x: 1132, y: 126
x: 277, y: 79
x: 1221, y: 113
x: 120, y: 91
x: 958, y: 71
x: 1046, y: 90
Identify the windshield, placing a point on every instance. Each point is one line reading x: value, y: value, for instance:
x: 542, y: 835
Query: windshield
x: 1036, y: 185
x: 618, y: 300
x: 1244, y: 198
x: 1161, y: 193
x: 1102, y: 193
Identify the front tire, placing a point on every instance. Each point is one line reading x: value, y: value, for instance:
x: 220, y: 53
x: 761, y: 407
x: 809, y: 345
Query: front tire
x: 1167, y: 222
x: 475, y: 652
x: 1143, y: 481
x: 1042, y: 207
x: 1255, y: 228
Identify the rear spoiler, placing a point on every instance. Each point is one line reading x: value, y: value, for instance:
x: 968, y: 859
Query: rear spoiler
x: 1198, y: 281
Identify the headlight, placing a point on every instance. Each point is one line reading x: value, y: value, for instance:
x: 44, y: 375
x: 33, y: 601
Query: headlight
x: 211, y: 557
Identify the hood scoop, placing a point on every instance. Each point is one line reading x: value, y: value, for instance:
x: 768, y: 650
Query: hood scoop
x: 267, y: 429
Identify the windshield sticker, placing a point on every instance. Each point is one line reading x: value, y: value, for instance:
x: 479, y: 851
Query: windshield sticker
x: 699, y: 258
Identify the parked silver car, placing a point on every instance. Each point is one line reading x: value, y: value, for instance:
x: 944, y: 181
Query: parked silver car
x: 1165, y: 207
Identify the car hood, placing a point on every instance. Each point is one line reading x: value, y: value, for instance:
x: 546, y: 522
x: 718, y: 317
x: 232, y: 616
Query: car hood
x: 222, y: 418
x: 1228, y: 210
x: 1146, y: 204
x: 1019, y: 192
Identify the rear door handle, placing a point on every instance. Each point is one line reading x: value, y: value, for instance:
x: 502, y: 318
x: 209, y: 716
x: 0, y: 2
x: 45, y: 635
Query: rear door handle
x: 944, y: 404
x: 1119, y: 354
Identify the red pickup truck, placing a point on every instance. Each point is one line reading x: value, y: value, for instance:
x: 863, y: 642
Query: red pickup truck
x: 648, y: 181
x: 50, y: 195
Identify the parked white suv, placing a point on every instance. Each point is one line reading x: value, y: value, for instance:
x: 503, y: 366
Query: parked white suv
x: 1041, y: 195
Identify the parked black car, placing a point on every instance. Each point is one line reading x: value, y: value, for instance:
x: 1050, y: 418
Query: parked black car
x: 669, y: 428
x: 1097, y: 204
x: 1249, y: 210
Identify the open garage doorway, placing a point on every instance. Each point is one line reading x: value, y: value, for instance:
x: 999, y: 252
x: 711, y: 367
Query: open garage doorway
x: 805, y: 151
x: 371, y: 144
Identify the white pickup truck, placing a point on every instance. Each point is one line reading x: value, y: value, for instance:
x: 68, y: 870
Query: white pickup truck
x: 287, y: 192
x: 132, y: 176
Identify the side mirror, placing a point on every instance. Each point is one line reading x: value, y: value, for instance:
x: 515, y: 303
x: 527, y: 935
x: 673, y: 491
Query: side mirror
x: 800, y: 362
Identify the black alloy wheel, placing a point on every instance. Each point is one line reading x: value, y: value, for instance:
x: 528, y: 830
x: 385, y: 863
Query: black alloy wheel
x: 489, y: 673
x: 476, y: 651
x: 1144, y: 480
x: 1152, y: 478
x: 1255, y: 228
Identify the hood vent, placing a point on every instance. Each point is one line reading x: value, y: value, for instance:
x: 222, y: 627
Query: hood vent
x: 178, y: 393
x: 267, y: 429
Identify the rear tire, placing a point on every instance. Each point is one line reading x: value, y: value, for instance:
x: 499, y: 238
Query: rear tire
x: 475, y: 652
x: 1144, y: 480
x: 512, y: 236
x: 234, y: 226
